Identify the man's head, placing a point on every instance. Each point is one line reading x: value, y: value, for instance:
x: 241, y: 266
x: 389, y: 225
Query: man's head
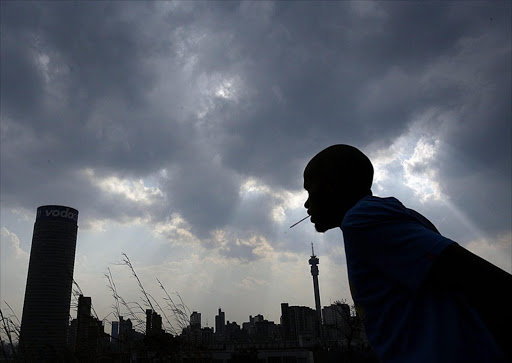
x: 335, y: 179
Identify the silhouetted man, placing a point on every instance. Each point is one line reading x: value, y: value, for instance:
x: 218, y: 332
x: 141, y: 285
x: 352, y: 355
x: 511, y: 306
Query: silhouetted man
x: 422, y: 297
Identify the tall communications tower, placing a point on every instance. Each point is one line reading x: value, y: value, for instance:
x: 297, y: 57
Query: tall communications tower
x: 313, y: 261
x: 45, y: 317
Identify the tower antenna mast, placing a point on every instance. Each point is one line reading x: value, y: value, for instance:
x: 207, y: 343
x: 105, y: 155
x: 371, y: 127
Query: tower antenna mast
x: 314, y: 261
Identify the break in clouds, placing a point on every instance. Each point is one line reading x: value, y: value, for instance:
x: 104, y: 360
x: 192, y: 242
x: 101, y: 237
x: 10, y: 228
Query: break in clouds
x: 197, y: 118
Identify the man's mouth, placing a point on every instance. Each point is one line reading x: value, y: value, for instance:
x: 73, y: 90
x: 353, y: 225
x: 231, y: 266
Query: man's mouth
x: 303, y: 219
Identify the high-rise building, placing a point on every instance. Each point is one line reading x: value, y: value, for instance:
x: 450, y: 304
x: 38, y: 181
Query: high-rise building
x: 336, y: 314
x: 153, y: 323
x: 313, y: 261
x: 232, y: 331
x: 220, y: 323
x: 114, y: 336
x: 91, y: 339
x: 337, y: 320
x: 45, y: 316
x: 195, y: 320
x: 207, y: 335
x: 83, y: 316
x: 297, y: 321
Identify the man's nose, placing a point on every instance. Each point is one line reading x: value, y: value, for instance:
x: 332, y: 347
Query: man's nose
x: 306, y: 203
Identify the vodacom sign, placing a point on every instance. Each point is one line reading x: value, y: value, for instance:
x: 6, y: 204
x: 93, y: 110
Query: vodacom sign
x: 57, y: 212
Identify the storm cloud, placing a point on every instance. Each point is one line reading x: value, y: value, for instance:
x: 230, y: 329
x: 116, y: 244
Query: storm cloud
x: 194, y: 120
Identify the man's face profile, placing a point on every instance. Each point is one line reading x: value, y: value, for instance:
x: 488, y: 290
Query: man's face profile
x: 335, y: 179
x: 321, y: 202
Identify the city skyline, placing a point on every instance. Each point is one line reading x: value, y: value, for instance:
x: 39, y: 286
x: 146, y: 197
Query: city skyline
x: 46, y: 328
x: 54, y: 237
x: 180, y: 131
x: 297, y: 334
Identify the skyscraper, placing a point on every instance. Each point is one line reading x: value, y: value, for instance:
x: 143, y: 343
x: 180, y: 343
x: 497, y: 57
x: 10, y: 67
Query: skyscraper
x: 91, y: 339
x: 49, y: 281
x: 337, y: 320
x: 313, y: 261
x: 83, y: 316
x: 153, y: 323
x: 195, y: 321
x: 297, y: 321
x: 220, y: 323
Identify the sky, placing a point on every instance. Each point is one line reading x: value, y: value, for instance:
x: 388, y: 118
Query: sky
x: 180, y: 131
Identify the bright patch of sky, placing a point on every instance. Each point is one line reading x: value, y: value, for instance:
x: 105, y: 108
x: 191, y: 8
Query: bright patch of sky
x: 409, y: 161
x: 180, y: 130
x: 134, y: 190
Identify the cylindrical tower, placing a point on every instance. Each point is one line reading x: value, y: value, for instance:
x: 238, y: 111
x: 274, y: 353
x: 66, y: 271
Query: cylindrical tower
x: 45, y: 317
x: 313, y: 261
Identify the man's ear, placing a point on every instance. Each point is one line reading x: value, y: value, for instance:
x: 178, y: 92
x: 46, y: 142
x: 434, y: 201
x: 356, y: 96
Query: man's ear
x: 333, y: 188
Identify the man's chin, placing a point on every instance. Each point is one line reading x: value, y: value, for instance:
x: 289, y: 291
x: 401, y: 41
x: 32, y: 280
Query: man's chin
x: 323, y: 224
x: 321, y: 228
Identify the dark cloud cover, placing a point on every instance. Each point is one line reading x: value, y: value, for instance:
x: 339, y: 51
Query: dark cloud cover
x: 201, y: 96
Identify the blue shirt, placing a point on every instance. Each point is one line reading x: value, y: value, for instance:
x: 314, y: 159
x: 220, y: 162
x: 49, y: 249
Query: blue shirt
x: 389, y: 250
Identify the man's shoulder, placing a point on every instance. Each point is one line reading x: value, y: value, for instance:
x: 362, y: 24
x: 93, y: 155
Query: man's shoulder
x: 371, y: 201
x: 371, y: 206
x: 371, y: 209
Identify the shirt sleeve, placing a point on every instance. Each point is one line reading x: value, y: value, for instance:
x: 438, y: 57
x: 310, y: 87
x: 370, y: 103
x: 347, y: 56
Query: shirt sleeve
x: 394, y: 242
